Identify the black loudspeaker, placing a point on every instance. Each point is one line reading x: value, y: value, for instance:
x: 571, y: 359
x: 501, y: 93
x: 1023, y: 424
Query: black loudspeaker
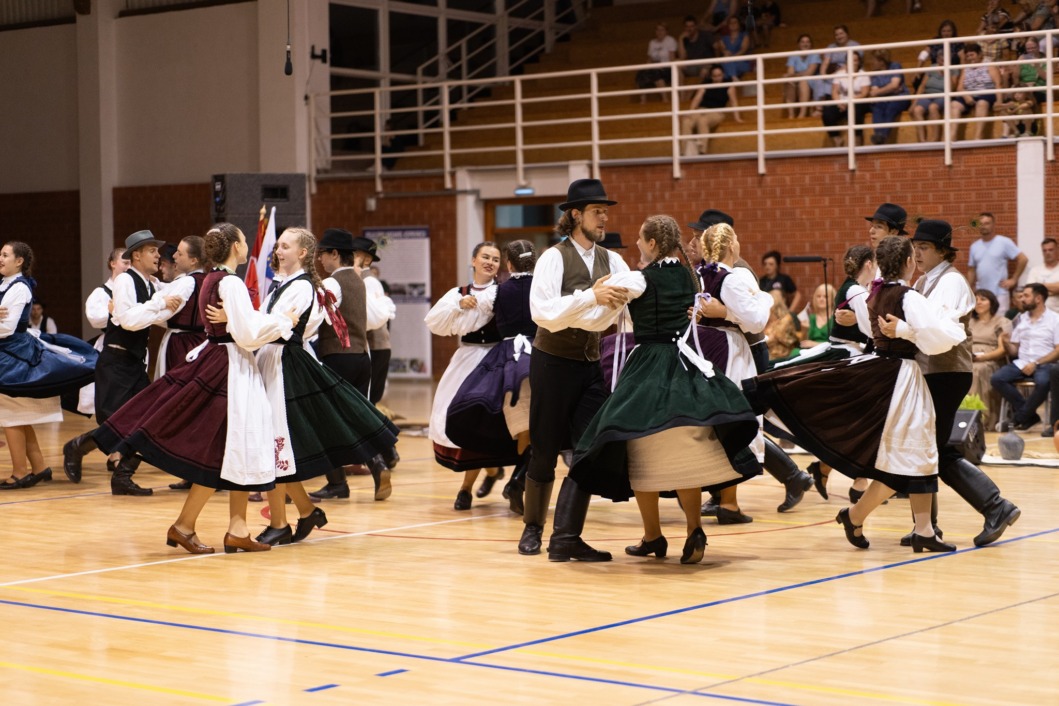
x: 238, y: 198
x: 968, y: 435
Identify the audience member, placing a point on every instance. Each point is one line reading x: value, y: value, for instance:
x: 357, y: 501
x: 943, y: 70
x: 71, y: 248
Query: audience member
x: 934, y: 55
x: 816, y: 317
x: 842, y: 44
x: 1035, y: 15
x: 661, y: 49
x: 1021, y: 106
x: 992, y: 47
x: 1033, y: 71
x: 799, y: 89
x: 930, y: 105
x: 778, y: 284
x: 718, y: 13
x: 767, y: 17
x: 1033, y: 347
x: 995, y: 16
x: 987, y: 349
x: 886, y: 84
x: 38, y: 321
x: 980, y: 80
x: 850, y: 80
x: 704, y: 112
x: 694, y: 44
x: 1048, y: 273
x: 780, y: 333
x: 734, y: 42
x: 987, y: 266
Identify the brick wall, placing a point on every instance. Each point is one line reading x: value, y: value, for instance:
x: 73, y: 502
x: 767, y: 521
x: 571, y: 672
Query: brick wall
x: 171, y: 211
x: 50, y: 222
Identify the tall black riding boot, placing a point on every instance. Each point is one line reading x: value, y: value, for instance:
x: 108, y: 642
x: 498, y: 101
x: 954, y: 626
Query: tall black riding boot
x: 981, y: 493
x: 73, y: 451
x: 336, y: 487
x: 121, y: 483
x: 571, y: 508
x: 781, y: 467
x: 516, y: 486
x: 538, y: 497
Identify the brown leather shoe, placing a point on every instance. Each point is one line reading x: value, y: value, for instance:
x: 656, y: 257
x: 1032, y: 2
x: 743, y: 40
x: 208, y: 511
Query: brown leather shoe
x: 190, y: 542
x: 245, y: 544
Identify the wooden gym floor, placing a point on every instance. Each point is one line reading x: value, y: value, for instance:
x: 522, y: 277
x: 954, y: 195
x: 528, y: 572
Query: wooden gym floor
x: 408, y: 601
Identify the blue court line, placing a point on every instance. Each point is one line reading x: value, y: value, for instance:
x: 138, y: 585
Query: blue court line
x: 250, y: 703
x: 325, y: 687
x: 391, y: 672
x: 734, y: 599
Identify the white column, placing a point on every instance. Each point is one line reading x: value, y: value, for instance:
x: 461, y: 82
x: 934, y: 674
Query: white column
x: 97, y: 140
x: 1030, y: 173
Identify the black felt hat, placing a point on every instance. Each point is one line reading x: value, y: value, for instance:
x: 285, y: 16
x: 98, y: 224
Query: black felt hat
x: 891, y: 214
x: 612, y: 241
x: 934, y: 231
x: 336, y: 239
x: 583, y: 192
x: 367, y: 245
x: 711, y: 217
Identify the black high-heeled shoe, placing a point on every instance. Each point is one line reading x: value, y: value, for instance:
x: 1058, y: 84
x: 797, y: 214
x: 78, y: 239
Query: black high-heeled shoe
x: 657, y: 546
x: 857, y: 540
x: 819, y: 479
x: 930, y: 544
x: 694, y: 547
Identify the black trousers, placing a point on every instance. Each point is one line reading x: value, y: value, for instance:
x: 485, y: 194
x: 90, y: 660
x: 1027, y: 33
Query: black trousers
x: 566, y: 395
x: 380, y: 370
x: 948, y: 391
x: 120, y: 376
x: 354, y: 368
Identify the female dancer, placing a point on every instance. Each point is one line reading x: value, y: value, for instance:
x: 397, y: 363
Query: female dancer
x: 672, y: 420
x: 184, y: 330
x: 320, y: 421
x: 468, y: 313
x: 736, y: 305
x: 886, y: 432
x: 32, y: 374
x: 209, y: 421
x: 492, y: 405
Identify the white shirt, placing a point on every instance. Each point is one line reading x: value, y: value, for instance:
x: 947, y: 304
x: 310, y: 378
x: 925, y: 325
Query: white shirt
x: 97, y: 306
x: 555, y: 312
x: 446, y: 318
x: 15, y: 300
x: 46, y: 325
x: 1046, y: 275
x: 748, y: 307
x: 857, y: 296
x: 1036, y: 338
x: 662, y: 50
x: 130, y: 315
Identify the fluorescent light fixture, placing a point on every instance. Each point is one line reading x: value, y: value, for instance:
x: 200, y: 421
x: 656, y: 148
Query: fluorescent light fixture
x: 524, y: 191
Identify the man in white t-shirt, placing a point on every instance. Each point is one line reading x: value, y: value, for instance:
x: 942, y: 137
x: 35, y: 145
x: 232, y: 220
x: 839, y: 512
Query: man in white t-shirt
x: 1048, y: 273
x: 1033, y: 347
x: 987, y: 266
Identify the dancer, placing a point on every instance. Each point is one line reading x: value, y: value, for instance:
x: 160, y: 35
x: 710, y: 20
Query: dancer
x: 468, y: 313
x: 97, y: 311
x: 32, y: 374
x: 344, y: 258
x: 571, y: 301
x: 210, y: 421
x: 320, y: 421
x: 886, y: 431
x: 378, y: 337
x: 492, y: 405
x: 122, y: 370
x: 672, y: 420
x: 184, y: 330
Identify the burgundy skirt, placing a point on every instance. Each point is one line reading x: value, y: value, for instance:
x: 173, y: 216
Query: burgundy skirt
x: 179, y: 345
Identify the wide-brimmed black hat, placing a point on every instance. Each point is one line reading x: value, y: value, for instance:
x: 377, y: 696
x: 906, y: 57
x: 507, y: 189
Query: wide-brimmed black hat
x: 166, y: 251
x: 583, y: 192
x: 934, y: 231
x: 711, y: 217
x: 137, y: 240
x: 362, y: 244
x: 374, y: 252
x: 612, y: 241
x: 336, y: 239
x: 891, y: 214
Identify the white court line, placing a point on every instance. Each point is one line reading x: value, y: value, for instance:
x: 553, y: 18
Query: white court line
x: 23, y: 582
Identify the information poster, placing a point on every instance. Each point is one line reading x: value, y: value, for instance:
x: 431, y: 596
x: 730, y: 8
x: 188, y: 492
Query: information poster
x: 404, y: 269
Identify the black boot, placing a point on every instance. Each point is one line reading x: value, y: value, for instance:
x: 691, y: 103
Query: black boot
x: 121, y: 483
x: 981, y: 493
x: 782, y: 468
x: 571, y: 508
x: 391, y: 458
x: 336, y: 487
x: 380, y: 474
x: 73, y: 451
x: 515, y: 488
x: 538, y: 497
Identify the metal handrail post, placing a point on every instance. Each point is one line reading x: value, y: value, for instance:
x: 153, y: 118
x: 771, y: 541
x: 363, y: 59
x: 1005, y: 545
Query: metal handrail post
x: 759, y: 86
x: 947, y: 115
x: 594, y: 99
x: 851, y: 115
x: 674, y: 100
x: 1049, y: 102
x: 446, y: 136
x: 378, y: 140
x: 520, y: 171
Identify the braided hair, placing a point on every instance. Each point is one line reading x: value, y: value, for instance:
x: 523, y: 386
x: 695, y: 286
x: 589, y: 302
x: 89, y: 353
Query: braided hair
x: 521, y: 255
x: 855, y: 258
x: 308, y: 262
x: 891, y: 255
x: 665, y: 231
x: 219, y: 242
x: 717, y: 241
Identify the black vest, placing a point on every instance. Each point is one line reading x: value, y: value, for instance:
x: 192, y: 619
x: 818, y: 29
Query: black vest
x: 135, y: 342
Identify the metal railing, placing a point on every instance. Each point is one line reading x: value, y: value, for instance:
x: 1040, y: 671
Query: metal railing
x: 596, y: 101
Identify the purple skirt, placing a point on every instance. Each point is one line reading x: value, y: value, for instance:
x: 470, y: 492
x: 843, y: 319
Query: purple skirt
x: 475, y: 420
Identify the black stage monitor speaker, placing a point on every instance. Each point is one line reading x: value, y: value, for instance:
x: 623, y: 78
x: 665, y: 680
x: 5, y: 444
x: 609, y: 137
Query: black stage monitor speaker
x: 238, y: 198
x: 968, y: 435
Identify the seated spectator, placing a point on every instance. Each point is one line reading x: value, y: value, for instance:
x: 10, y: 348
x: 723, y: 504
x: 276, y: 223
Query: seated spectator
x: 780, y: 333
x: 1033, y: 71
x: 40, y: 322
x: 797, y: 67
x: 816, y: 317
x: 1033, y: 348
x: 704, y: 115
x: 934, y: 55
x: 992, y: 48
x: 718, y: 13
x: 1021, y: 106
x: 891, y: 83
x: 841, y: 44
x: 1035, y: 15
x: 694, y: 44
x: 734, y: 42
x: 766, y: 17
x: 1048, y: 272
x: 776, y: 283
x: 987, y: 348
x: 982, y: 80
x: 844, y: 84
x: 997, y: 17
x: 930, y: 105
x: 661, y: 49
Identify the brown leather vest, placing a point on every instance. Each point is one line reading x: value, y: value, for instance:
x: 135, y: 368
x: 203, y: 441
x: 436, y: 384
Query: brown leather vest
x: 888, y: 300
x: 957, y: 359
x: 575, y: 343
x: 354, y: 310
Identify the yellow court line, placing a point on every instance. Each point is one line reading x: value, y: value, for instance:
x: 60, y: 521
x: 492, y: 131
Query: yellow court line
x: 113, y: 682
x: 244, y: 616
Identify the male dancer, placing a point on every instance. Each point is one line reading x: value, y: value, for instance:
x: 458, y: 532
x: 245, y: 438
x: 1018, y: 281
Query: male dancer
x: 378, y: 336
x: 571, y: 303
x: 121, y: 371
